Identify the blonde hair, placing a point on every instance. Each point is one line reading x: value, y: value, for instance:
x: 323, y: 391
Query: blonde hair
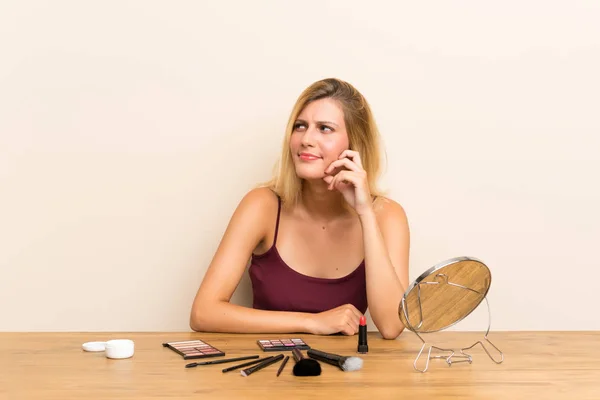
x: 363, y: 136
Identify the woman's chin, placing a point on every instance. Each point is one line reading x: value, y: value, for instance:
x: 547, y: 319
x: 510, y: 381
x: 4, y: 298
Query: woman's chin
x: 312, y: 178
x: 309, y: 173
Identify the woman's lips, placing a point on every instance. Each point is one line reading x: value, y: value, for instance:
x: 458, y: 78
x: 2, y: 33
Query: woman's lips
x: 309, y: 157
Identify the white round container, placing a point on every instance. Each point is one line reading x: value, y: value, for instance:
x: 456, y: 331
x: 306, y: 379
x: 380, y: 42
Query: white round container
x: 119, y: 348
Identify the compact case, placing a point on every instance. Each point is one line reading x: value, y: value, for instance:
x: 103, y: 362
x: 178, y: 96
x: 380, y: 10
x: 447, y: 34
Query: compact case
x: 191, y: 349
x: 282, y: 344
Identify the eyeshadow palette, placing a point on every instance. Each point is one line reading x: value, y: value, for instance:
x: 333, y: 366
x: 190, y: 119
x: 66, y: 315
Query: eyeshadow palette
x: 194, y: 349
x: 282, y: 344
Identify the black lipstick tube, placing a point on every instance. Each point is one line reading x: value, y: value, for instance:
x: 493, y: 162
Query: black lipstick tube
x: 363, y: 347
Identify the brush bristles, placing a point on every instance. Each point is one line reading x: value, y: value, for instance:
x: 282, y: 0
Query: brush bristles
x: 307, y: 367
x: 352, y: 364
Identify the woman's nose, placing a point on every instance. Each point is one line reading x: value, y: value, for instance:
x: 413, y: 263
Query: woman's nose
x: 309, y: 137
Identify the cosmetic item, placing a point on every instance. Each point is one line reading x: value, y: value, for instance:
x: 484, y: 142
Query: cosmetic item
x: 222, y: 361
x: 258, y: 367
x: 285, y: 360
x: 363, y: 347
x: 234, y: 367
x: 191, y: 349
x: 120, y: 348
x: 282, y: 344
x: 115, y: 349
x: 94, y: 346
x: 346, y: 364
x: 305, y: 366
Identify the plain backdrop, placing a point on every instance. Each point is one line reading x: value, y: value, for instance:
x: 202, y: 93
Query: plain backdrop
x: 130, y: 130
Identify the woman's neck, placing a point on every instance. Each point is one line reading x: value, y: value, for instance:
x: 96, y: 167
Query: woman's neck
x: 321, y: 203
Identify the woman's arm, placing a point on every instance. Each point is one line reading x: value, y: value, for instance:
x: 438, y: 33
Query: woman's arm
x: 386, y: 244
x: 385, y: 239
x: 211, y: 310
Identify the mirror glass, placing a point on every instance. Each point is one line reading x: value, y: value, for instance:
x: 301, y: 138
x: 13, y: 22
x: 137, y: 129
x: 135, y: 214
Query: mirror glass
x: 444, y: 294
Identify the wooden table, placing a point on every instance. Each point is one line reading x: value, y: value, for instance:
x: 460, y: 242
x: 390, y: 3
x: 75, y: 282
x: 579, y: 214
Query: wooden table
x: 538, y: 365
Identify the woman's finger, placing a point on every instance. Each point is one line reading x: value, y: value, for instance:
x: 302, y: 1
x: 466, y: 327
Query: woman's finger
x: 345, y: 178
x: 353, y: 155
x: 349, y: 329
x: 341, y: 178
x: 344, y: 162
x: 354, y: 313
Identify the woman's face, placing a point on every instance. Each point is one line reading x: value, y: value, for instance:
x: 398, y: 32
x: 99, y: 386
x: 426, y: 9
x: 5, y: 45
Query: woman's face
x: 318, y: 138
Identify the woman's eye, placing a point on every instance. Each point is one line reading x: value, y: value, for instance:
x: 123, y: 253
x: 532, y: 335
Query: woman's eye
x: 298, y: 126
x: 325, y: 128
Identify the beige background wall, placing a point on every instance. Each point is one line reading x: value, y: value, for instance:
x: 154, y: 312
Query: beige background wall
x: 129, y: 130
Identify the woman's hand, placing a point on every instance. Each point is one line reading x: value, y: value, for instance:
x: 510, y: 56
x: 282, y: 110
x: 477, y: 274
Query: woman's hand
x: 343, y: 319
x: 351, y: 182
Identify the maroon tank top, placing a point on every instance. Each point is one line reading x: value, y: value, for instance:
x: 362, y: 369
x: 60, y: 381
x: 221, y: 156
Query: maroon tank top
x: 277, y: 287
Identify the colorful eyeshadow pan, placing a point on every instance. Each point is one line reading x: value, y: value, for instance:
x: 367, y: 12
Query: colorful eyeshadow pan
x: 282, y: 344
x: 194, y: 349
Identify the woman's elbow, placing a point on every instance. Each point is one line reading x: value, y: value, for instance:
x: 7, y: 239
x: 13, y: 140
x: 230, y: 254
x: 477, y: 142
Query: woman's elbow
x: 199, y: 321
x: 391, y: 333
x: 195, y: 323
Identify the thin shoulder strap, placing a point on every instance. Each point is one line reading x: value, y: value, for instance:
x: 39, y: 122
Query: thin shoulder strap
x: 277, y: 223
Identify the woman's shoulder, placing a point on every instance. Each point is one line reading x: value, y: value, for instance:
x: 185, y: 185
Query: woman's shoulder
x: 258, y: 209
x: 388, y: 209
x: 260, y: 201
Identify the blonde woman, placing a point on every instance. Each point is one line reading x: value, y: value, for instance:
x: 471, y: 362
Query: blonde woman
x: 322, y: 242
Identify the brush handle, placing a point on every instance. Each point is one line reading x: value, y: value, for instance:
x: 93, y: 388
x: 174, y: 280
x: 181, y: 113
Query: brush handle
x: 222, y: 361
x: 297, y: 355
x: 328, y: 358
x: 246, y: 364
x: 285, y: 360
x: 258, y: 367
x: 323, y: 355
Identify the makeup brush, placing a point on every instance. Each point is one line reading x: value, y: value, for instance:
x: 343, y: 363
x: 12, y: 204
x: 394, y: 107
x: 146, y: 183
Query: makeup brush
x: 346, y: 364
x: 305, y: 366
